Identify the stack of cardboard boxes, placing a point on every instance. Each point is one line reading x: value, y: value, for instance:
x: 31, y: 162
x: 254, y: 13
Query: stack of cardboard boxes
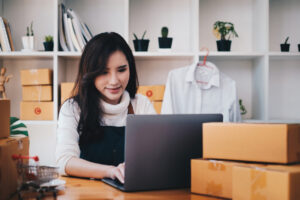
x: 155, y: 94
x: 37, y: 89
x: 254, y: 161
x: 8, y: 147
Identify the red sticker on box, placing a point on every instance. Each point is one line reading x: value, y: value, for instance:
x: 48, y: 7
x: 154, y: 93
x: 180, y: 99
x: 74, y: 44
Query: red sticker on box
x: 37, y: 110
x: 149, y: 93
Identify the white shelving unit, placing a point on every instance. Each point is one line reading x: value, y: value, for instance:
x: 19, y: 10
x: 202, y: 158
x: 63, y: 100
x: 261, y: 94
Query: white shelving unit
x: 267, y: 79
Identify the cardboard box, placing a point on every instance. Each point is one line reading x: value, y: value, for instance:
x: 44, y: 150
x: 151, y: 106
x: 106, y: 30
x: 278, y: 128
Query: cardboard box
x: 272, y: 143
x: 36, y: 77
x: 267, y: 183
x: 36, y: 111
x: 4, y: 118
x: 157, y: 106
x: 153, y: 92
x: 8, y: 169
x: 37, y: 93
x: 213, y: 178
x: 65, y: 91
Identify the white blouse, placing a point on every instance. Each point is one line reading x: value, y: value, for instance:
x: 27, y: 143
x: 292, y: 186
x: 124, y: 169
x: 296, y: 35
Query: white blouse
x: 115, y: 115
x: 184, y: 95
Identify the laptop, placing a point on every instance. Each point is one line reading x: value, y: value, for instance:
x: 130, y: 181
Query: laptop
x: 158, y: 150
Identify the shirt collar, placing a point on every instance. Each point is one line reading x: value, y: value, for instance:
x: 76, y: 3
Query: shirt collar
x: 215, y: 79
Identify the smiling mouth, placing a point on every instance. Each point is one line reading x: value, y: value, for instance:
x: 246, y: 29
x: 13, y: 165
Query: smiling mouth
x: 114, y: 90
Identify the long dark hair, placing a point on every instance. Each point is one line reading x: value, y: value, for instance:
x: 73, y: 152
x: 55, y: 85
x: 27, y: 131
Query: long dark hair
x: 93, y: 62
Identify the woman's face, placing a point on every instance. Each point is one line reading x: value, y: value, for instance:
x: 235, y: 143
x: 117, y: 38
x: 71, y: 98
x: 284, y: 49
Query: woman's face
x: 112, y: 83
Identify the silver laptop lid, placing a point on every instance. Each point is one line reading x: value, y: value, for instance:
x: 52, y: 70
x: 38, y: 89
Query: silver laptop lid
x: 158, y: 149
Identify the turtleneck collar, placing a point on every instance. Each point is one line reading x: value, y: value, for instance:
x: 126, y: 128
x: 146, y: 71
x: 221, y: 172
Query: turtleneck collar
x: 110, y: 109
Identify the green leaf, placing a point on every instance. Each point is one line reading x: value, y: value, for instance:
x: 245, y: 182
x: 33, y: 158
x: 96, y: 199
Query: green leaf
x: 21, y: 125
x: 15, y: 132
x: 13, y: 120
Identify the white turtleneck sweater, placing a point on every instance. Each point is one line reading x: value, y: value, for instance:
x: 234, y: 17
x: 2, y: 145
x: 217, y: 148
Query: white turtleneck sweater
x: 114, y: 115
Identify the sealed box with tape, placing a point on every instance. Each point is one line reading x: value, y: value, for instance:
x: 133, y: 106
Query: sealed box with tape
x: 36, y: 110
x: 212, y: 177
x: 267, y: 143
x: 271, y: 182
x: 36, y: 77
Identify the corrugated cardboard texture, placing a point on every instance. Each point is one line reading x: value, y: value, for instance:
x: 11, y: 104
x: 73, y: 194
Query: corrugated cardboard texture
x: 153, y: 92
x: 273, y: 143
x: 8, y: 170
x: 212, y: 177
x: 36, y: 110
x: 36, y: 77
x: 65, y: 91
x: 157, y: 106
x: 37, y: 93
x: 266, y: 183
x: 4, y: 118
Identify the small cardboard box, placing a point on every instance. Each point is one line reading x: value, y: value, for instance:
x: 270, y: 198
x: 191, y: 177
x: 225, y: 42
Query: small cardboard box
x: 8, y: 169
x: 37, y: 93
x: 212, y: 177
x: 157, y: 106
x: 65, y: 91
x: 4, y: 118
x: 36, y: 77
x: 269, y: 183
x: 153, y: 92
x: 36, y: 110
x: 269, y: 143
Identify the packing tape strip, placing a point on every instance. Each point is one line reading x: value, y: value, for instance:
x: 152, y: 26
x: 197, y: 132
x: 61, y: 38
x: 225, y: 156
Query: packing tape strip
x: 258, y: 183
x: 216, y: 165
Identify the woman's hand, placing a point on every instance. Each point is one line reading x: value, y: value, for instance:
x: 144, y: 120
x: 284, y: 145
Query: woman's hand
x: 117, y: 172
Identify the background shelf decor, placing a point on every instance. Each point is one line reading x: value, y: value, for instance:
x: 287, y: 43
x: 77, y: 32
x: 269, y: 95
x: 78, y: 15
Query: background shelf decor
x: 267, y: 79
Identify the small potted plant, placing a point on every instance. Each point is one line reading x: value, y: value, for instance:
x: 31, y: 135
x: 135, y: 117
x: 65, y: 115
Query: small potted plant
x: 224, y: 31
x: 140, y: 44
x: 48, y: 44
x: 285, y: 47
x: 163, y: 41
x: 242, y: 107
x: 299, y: 47
x: 28, y: 40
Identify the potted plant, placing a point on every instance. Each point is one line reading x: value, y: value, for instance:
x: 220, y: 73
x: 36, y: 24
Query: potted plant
x: 285, y: 47
x: 242, y: 107
x: 140, y: 44
x: 48, y: 44
x: 299, y: 47
x: 163, y: 41
x: 28, y: 40
x: 224, y: 31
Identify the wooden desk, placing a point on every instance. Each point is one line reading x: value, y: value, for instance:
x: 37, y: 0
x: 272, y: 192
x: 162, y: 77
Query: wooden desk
x: 76, y: 188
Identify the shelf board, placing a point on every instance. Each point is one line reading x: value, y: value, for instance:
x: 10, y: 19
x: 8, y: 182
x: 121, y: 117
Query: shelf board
x: 38, y: 122
x: 27, y: 55
x: 158, y: 54
x: 69, y: 54
x: 272, y: 121
x: 232, y: 54
x: 284, y: 55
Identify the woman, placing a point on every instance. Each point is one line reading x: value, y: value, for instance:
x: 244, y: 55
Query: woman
x: 90, y: 134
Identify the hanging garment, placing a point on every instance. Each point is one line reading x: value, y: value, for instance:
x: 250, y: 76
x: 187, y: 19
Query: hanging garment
x: 211, y: 92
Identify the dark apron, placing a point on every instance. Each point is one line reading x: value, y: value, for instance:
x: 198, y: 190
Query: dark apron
x: 109, y: 149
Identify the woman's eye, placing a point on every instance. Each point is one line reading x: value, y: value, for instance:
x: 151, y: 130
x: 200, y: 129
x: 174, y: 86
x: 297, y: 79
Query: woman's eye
x: 122, y: 70
x: 105, y: 72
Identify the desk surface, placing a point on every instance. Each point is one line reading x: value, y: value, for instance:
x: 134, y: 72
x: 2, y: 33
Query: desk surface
x: 76, y: 188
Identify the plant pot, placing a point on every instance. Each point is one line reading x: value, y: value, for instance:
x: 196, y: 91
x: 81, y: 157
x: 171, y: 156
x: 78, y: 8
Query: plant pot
x: 165, y: 43
x: 223, y: 45
x: 299, y: 47
x: 28, y: 43
x: 48, y: 46
x: 285, y: 47
x: 141, y: 45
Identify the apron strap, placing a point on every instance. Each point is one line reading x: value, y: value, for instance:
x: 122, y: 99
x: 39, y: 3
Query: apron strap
x: 130, y: 109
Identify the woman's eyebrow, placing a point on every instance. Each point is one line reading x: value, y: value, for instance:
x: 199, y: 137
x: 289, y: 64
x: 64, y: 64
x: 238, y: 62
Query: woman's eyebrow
x: 122, y: 66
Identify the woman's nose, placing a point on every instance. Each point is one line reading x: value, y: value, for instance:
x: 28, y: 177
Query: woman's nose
x: 113, y: 79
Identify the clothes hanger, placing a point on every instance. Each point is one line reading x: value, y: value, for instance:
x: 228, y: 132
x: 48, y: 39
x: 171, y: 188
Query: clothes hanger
x: 205, y: 58
x: 203, y: 72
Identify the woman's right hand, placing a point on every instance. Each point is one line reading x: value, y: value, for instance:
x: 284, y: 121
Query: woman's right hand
x: 117, y: 172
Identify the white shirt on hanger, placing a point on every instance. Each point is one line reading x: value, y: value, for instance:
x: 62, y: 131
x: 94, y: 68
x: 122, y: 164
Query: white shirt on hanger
x: 184, y: 95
